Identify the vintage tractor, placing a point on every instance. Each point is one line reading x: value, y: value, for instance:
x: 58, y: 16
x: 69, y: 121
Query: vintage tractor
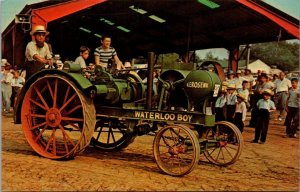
x: 63, y: 111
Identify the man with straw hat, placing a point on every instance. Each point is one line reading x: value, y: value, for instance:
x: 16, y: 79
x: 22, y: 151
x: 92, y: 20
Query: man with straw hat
x: 37, y: 51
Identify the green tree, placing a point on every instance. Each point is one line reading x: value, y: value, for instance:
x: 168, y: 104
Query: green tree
x: 209, y: 56
x: 282, y: 54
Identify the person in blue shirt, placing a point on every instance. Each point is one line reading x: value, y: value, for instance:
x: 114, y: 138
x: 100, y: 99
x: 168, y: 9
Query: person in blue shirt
x: 265, y: 106
x: 292, y: 108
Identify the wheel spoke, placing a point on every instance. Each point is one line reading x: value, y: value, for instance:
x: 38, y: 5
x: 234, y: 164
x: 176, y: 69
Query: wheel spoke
x: 55, y: 93
x: 112, y: 135
x: 218, y: 154
x: 228, y: 152
x: 50, y: 140
x: 99, y: 133
x: 66, y: 103
x: 67, y: 94
x: 73, y: 125
x: 165, y: 141
x: 41, y: 98
x: 72, y: 110
x: 67, y: 136
x: 65, y: 142
x: 41, y: 132
x: 38, y: 104
x: 49, y: 88
x: 37, y: 115
x: 108, y: 137
x: 36, y: 126
x: 71, y: 119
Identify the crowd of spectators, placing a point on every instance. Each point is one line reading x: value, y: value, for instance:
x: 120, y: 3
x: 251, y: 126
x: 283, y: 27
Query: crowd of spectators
x: 262, y: 95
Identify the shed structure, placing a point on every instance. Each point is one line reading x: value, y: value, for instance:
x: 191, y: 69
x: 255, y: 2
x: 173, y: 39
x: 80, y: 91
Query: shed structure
x: 140, y: 26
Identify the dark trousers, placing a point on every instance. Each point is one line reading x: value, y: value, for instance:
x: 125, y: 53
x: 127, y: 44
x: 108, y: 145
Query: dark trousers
x: 254, y: 111
x: 262, y: 125
x: 292, y: 121
x: 230, y: 110
x: 238, y: 121
x: 219, y: 114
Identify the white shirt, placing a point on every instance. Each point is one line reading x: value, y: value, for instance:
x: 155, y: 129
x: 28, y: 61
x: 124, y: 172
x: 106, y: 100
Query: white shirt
x: 18, y: 82
x: 245, y: 92
x: 7, y: 78
x: 282, y: 85
x: 79, y: 60
x: 266, y: 104
x: 231, y: 99
x: 221, y: 101
x: 32, y: 49
x: 239, y: 82
x: 241, y: 108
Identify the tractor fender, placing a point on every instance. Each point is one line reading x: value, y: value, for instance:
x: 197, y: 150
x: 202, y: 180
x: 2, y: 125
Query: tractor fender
x: 78, y: 79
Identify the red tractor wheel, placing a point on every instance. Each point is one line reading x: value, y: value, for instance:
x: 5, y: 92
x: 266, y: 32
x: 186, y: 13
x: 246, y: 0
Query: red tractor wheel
x: 58, y: 120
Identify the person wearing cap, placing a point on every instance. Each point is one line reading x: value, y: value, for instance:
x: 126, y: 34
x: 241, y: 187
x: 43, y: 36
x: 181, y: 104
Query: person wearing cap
x: 37, y: 51
x: 231, y: 102
x: 245, y: 91
x: 282, y: 86
x: 230, y: 77
x: 265, y: 106
x: 84, y: 54
x: 240, y: 111
x: 261, y: 86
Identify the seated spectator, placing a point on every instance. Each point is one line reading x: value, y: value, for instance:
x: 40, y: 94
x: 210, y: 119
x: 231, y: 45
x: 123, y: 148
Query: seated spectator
x: 84, y: 54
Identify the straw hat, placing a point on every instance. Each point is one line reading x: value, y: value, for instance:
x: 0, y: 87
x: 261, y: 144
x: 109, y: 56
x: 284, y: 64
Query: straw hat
x: 225, y: 83
x: 39, y: 29
x: 268, y: 92
x: 239, y: 72
x: 242, y: 96
x: 3, y: 62
x: 231, y: 86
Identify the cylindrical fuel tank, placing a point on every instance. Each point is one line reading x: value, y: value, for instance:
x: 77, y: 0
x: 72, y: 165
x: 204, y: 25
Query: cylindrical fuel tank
x: 200, y: 84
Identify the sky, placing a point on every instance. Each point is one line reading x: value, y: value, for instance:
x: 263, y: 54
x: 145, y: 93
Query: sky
x: 9, y: 8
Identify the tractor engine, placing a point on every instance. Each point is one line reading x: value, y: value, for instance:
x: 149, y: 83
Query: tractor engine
x: 191, y: 89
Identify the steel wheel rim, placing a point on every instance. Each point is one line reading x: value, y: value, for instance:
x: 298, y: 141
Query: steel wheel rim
x: 176, y: 150
x: 227, y: 144
x: 54, y: 118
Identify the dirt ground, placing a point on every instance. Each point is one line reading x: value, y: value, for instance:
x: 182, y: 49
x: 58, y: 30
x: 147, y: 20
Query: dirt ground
x: 271, y: 166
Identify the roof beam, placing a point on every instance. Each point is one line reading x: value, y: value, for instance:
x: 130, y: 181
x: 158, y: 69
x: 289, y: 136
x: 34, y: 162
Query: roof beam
x: 43, y: 16
x: 285, y: 24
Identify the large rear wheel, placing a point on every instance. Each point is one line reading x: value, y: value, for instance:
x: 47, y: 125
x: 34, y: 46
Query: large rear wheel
x: 58, y: 120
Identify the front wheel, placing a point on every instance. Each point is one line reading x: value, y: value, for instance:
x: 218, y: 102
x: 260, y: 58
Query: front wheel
x: 176, y: 150
x: 224, y: 143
